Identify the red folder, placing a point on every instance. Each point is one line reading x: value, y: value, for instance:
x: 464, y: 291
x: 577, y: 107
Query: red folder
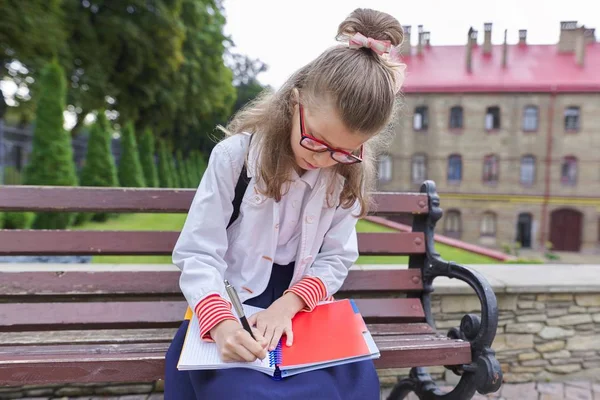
x: 330, y: 333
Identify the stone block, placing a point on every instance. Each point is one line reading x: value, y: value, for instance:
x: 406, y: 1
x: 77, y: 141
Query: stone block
x: 564, y: 369
x: 532, y: 318
x: 554, y: 297
x: 529, y: 356
x: 557, y: 312
x: 588, y: 300
x: 554, y: 345
x: 557, y: 354
x: 525, y: 327
x: 570, y: 319
x: 584, y: 342
x: 554, y: 332
x: 535, y: 363
x: 454, y: 304
x: 508, y: 341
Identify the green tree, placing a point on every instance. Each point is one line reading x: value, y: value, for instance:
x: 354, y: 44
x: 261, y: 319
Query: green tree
x: 136, y: 45
x: 147, y: 152
x: 165, y: 179
x: 99, y: 168
x: 200, y: 92
x: 130, y: 168
x: 51, y: 160
x: 245, y: 79
x: 22, y: 55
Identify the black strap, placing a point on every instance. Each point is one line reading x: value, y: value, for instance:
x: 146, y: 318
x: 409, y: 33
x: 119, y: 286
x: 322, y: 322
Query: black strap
x: 240, y: 190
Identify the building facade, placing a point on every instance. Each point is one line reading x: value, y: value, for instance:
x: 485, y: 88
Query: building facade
x: 511, y: 136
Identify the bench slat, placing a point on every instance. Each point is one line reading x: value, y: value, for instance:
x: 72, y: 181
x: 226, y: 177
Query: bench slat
x: 140, y: 200
x: 145, y: 362
x: 149, y: 314
x: 117, y: 336
x: 167, y: 282
x: 58, y: 242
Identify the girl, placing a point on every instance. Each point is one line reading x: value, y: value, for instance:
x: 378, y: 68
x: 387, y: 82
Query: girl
x: 306, y: 156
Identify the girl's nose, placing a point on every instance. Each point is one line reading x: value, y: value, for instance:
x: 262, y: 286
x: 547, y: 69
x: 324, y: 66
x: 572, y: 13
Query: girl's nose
x: 323, y: 159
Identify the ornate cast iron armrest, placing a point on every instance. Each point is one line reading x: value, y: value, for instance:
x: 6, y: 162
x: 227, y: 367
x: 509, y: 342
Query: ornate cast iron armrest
x: 483, y: 374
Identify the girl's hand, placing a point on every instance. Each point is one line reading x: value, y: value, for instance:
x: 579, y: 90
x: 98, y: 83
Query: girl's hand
x: 235, y: 344
x: 276, y: 320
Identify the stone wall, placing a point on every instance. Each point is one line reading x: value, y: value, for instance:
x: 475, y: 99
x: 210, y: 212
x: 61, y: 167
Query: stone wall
x: 541, y: 336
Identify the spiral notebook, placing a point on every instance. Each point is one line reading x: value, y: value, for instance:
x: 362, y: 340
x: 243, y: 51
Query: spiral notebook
x: 334, y: 333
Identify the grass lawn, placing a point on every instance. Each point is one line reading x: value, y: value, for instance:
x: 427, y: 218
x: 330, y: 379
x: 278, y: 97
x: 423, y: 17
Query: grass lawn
x: 168, y: 222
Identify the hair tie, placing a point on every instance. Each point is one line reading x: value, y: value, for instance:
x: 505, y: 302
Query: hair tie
x: 384, y: 48
x: 359, y: 40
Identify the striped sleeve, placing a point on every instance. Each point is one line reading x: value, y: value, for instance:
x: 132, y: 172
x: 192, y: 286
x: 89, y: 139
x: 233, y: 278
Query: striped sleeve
x: 311, y: 290
x: 210, y: 311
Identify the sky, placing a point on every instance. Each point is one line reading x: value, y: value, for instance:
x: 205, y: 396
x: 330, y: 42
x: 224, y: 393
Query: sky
x: 287, y: 34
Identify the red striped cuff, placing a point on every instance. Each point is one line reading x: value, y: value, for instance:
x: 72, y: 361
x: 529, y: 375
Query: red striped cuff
x: 210, y: 311
x: 311, y: 290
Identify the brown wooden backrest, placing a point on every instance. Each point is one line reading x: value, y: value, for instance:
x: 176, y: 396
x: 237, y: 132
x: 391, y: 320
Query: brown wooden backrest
x: 133, y: 200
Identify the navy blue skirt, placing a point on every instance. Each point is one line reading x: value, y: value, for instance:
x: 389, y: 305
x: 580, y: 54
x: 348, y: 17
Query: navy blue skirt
x: 357, y: 380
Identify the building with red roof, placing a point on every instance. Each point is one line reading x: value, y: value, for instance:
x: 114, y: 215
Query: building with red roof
x: 510, y: 134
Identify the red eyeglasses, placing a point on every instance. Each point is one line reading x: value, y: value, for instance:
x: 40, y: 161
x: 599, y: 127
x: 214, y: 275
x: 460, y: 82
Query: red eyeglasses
x: 318, y: 146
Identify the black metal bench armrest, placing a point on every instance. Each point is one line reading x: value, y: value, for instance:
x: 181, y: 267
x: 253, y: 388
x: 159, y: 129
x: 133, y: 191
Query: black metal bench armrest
x: 483, y: 374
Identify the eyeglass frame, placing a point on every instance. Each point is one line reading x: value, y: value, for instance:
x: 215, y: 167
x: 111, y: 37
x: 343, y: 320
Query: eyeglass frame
x: 304, y: 135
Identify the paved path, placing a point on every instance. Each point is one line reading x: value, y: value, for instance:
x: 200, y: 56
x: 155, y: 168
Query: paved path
x: 576, y: 390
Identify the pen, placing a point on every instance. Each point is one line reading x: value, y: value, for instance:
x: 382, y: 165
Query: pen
x: 237, y: 304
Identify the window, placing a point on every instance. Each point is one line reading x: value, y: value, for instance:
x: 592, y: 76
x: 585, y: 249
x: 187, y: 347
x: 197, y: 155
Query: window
x: 384, y: 170
x: 568, y: 173
x: 530, y: 119
x: 421, y: 119
x: 455, y: 168
x: 527, y: 170
x: 491, y: 168
x: 572, y: 120
x: 492, y: 118
x: 419, y: 168
x: 453, y: 224
x: 456, y: 117
x: 488, y: 224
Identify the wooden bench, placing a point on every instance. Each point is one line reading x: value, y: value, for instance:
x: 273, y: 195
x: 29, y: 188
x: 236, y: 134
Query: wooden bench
x: 114, y: 325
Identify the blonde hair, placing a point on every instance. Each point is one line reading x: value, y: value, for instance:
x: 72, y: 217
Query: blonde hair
x: 358, y: 83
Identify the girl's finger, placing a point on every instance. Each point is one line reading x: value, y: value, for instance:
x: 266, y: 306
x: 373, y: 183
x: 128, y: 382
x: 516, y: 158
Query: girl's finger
x: 269, y: 336
x: 259, y: 338
x: 244, y: 353
x: 276, y: 337
x: 289, y: 335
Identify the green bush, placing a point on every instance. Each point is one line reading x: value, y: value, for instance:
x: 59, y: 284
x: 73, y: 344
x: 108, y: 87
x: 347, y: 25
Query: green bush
x: 173, y: 169
x: 51, y: 159
x: 130, y: 168
x: 181, y: 170
x: 12, y: 176
x: 18, y: 219
x: 165, y: 179
x: 99, y: 168
x: 147, y: 152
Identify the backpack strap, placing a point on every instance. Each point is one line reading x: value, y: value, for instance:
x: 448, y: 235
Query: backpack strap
x: 240, y: 190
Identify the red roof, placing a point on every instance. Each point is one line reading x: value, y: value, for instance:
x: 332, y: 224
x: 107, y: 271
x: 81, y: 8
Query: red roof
x: 529, y: 68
